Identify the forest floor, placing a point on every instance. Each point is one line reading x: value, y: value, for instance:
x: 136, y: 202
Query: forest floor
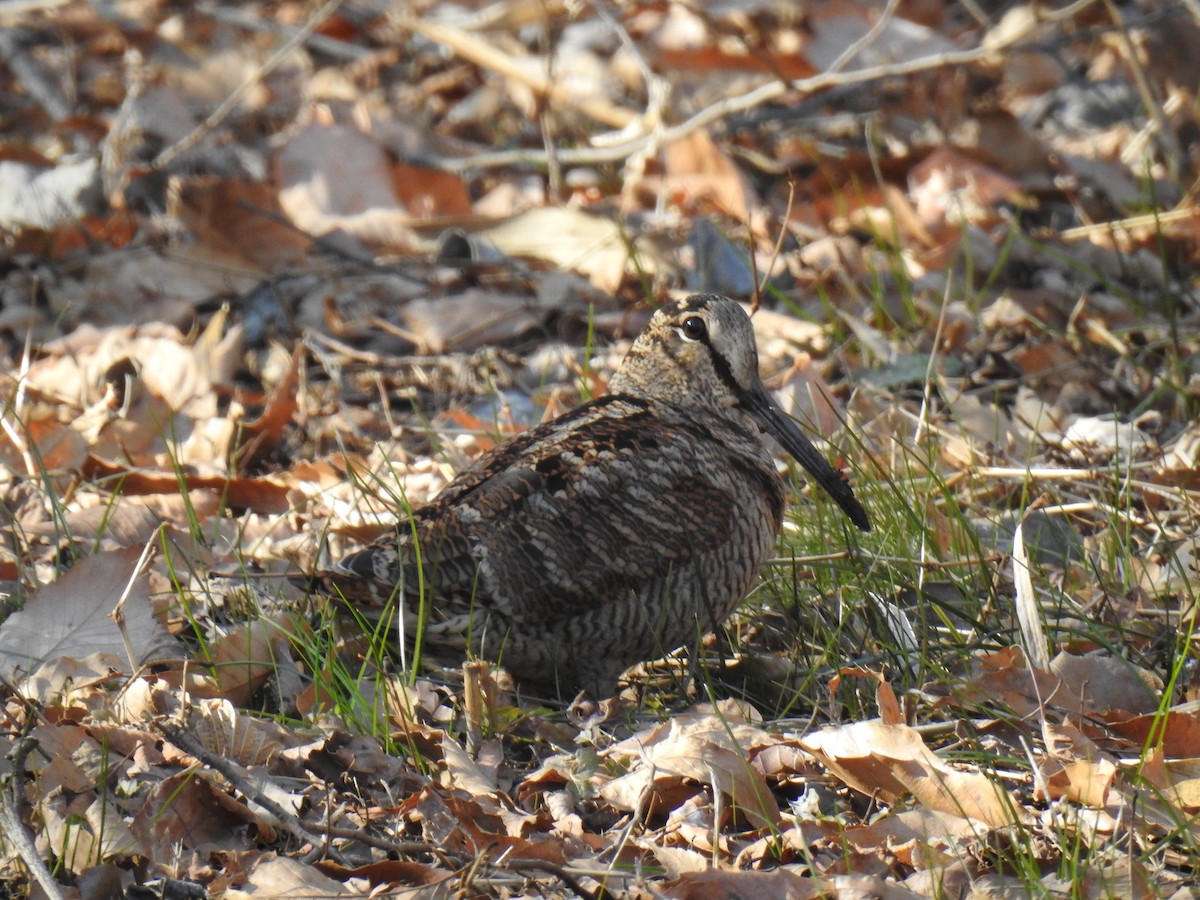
x: 272, y: 273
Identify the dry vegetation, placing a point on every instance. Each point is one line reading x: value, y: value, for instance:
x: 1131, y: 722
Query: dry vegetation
x: 271, y: 273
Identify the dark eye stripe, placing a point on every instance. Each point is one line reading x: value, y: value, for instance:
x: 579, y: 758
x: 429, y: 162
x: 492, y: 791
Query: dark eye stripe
x: 721, y: 366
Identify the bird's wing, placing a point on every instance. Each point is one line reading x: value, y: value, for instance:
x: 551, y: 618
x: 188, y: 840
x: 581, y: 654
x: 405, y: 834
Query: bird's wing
x: 579, y: 512
x: 589, y: 512
x: 430, y: 540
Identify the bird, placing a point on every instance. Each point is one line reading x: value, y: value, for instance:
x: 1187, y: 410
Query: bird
x: 608, y: 536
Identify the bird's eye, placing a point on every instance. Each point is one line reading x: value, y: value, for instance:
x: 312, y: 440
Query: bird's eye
x: 693, y: 328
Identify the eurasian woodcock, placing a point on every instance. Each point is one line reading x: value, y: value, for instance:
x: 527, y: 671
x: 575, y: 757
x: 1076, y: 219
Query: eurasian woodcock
x: 612, y: 534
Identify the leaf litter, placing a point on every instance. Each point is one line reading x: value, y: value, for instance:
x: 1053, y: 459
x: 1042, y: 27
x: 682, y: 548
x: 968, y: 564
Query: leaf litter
x: 271, y: 276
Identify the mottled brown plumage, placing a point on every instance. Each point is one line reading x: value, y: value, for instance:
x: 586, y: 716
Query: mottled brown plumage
x: 612, y: 534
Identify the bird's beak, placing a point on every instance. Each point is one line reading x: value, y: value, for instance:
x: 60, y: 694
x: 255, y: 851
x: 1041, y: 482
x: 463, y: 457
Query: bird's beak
x: 776, y: 423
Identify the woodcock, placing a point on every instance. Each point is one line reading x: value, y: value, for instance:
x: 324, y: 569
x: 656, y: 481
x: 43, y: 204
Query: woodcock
x: 612, y: 534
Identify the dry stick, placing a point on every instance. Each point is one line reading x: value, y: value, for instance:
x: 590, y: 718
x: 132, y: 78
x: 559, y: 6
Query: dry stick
x: 554, y: 170
x: 118, y: 613
x: 451, y: 859
x: 649, y: 124
x: 1170, y: 141
x: 11, y: 803
x: 237, y: 776
x: 727, y: 107
x: 170, y: 154
x: 1148, y: 220
x: 240, y: 779
x: 873, y: 32
x: 31, y: 76
x: 658, y: 89
x: 16, y: 434
x: 248, y: 21
x: 761, y: 284
x: 974, y: 9
x: 483, y: 54
x: 475, y: 708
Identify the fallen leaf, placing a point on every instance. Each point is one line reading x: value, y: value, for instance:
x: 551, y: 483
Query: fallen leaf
x: 890, y: 761
x: 70, y: 618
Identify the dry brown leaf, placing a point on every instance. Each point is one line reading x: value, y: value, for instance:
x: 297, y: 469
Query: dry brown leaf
x: 463, y: 773
x: 1094, y: 686
x: 794, y: 844
x: 219, y: 728
x: 146, y: 286
x: 950, y: 188
x: 263, y: 495
x: 430, y: 193
x: 120, y: 522
x: 241, y: 218
x: 891, y: 761
x: 70, y: 618
x: 806, y: 396
x: 1176, y: 780
x: 263, y: 435
x: 699, y: 175
x: 984, y: 424
x: 83, y: 681
x: 590, y: 244
x: 60, y: 448
x: 334, y: 177
x: 279, y: 876
x: 718, y: 885
x: 1178, y: 730
x: 83, y: 829
x: 930, y: 836
x: 1077, y: 769
x: 696, y: 749
x: 191, y: 813
x: 885, y: 696
x: 37, y: 198
x: 1084, y: 781
x: 837, y: 26
x: 427, y: 882
x: 470, y: 320
x: 1100, y: 684
x: 1103, y: 438
x: 141, y: 392
x: 247, y: 655
x: 686, y: 41
x: 61, y: 763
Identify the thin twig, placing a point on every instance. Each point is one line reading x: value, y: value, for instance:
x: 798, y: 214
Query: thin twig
x: 238, y: 777
x: 481, y: 53
x: 658, y: 89
x: 844, y: 59
x: 554, y: 169
x: 720, y: 110
x: 31, y: 76
x: 11, y: 803
x: 250, y: 22
x: 170, y: 154
x: 1152, y: 220
x: 1169, y: 140
x: 118, y: 612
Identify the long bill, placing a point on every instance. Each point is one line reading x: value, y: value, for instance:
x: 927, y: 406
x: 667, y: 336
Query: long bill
x: 774, y: 422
